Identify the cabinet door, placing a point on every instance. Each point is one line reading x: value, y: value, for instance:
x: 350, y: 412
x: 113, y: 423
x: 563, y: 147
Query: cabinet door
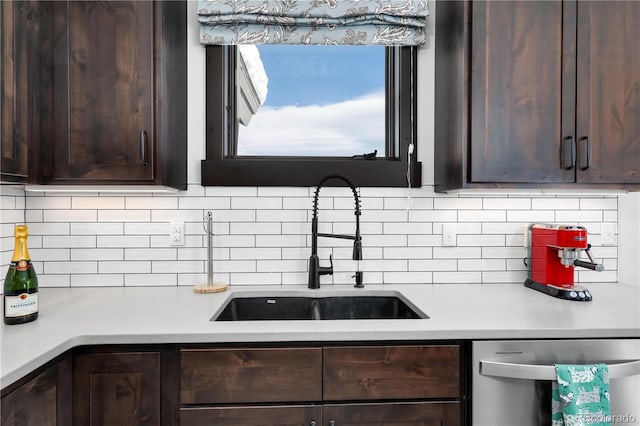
x: 104, y: 61
x: 608, y: 91
x: 410, y: 413
x: 44, y: 400
x: 251, y: 375
x: 26, y: 78
x: 517, y: 93
x: 116, y: 389
x: 307, y: 415
x: 390, y: 372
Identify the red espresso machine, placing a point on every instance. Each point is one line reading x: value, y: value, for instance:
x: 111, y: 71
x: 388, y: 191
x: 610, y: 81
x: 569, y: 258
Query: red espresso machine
x: 554, y: 251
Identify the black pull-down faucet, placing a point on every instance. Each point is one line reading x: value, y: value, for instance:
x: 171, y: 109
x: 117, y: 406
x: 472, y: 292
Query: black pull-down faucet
x: 315, y: 270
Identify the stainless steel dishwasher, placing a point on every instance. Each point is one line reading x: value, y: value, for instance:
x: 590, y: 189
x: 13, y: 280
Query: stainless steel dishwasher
x: 511, y: 383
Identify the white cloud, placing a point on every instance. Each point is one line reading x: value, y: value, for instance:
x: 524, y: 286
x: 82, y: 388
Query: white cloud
x: 346, y: 128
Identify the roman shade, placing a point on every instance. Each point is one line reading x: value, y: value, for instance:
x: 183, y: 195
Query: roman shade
x: 319, y: 22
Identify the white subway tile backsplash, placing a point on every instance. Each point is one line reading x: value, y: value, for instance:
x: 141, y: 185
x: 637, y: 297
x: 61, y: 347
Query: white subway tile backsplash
x: 102, y: 203
x: 106, y: 241
x: 433, y: 265
x: 255, y: 228
x: 45, y: 203
x: 482, y: 215
x: 457, y: 277
x: 457, y: 203
x: 66, y: 241
x: 55, y: 267
x: 48, y: 228
x: 262, y: 235
x: 97, y: 280
x: 70, y: 215
x: 406, y: 277
x: 97, y: 254
x: 151, y: 279
x: 137, y: 254
x: 124, y: 216
x: 204, y: 203
x: 481, y: 265
x: 256, y: 203
x: 98, y: 228
x: 555, y: 203
x: 506, y: 203
x: 573, y: 216
x: 125, y: 267
x: 139, y: 203
x: 407, y: 253
x: 51, y: 280
x: 480, y: 240
x: 177, y: 266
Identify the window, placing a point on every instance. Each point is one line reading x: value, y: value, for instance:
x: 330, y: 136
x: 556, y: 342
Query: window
x: 226, y: 164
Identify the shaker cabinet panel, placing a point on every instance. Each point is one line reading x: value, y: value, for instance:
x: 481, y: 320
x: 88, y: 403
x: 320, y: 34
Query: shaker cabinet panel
x: 391, y: 372
x: 104, y: 62
x: 116, y: 389
x: 251, y: 375
x: 516, y: 92
x: 608, y: 91
x: 26, y: 75
x: 44, y: 400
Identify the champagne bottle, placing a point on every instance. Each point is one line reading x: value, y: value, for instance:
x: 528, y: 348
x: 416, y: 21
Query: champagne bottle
x: 21, y: 283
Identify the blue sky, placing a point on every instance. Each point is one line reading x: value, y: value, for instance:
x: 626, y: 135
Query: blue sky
x: 321, y: 100
x: 311, y: 75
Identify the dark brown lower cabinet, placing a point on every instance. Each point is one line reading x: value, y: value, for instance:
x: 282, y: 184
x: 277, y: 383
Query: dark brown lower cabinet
x: 41, y: 401
x: 251, y: 416
x: 323, y: 385
x: 116, y: 389
x: 390, y: 414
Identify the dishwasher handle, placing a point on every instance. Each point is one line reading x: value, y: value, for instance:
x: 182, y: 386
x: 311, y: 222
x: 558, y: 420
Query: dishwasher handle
x: 548, y: 372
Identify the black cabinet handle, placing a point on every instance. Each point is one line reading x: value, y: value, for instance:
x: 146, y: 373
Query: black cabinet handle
x: 144, y: 149
x: 585, y: 153
x: 568, y: 153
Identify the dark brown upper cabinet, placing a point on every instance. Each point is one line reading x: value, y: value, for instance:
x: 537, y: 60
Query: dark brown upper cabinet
x: 25, y: 73
x: 537, y: 94
x: 114, y: 95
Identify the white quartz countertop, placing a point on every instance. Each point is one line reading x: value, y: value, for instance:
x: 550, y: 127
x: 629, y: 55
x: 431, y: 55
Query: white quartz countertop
x: 71, y: 317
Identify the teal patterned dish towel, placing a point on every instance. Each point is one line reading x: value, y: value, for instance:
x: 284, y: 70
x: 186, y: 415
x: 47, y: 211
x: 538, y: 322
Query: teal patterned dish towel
x: 580, y: 395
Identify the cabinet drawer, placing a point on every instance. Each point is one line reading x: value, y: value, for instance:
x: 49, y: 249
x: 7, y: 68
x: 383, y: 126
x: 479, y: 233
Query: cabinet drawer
x: 288, y: 415
x: 409, y: 413
x: 219, y: 376
x: 391, y: 372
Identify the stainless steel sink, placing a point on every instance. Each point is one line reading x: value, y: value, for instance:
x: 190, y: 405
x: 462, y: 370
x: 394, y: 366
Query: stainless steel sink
x: 306, y: 306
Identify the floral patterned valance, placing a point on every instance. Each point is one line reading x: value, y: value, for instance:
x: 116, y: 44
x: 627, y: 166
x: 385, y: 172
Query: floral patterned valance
x: 325, y: 22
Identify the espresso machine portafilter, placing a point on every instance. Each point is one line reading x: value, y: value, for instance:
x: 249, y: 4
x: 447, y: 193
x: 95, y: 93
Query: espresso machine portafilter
x: 554, y: 252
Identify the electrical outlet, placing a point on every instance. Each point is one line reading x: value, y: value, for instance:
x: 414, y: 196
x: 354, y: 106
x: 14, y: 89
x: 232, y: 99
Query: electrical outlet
x: 176, y: 233
x: 449, y: 234
x: 609, y: 233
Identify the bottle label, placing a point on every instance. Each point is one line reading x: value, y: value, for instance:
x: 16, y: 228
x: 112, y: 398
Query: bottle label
x: 20, y: 305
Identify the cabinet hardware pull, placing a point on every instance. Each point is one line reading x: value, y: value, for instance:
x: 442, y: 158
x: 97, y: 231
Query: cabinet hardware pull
x: 568, y: 153
x: 332, y: 423
x: 143, y: 148
x: 588, y: 152
x: 312, y: 423
x: 548, y: 372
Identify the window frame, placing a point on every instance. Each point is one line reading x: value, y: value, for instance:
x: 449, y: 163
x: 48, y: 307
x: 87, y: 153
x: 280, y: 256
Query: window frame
x: 222, y: 168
